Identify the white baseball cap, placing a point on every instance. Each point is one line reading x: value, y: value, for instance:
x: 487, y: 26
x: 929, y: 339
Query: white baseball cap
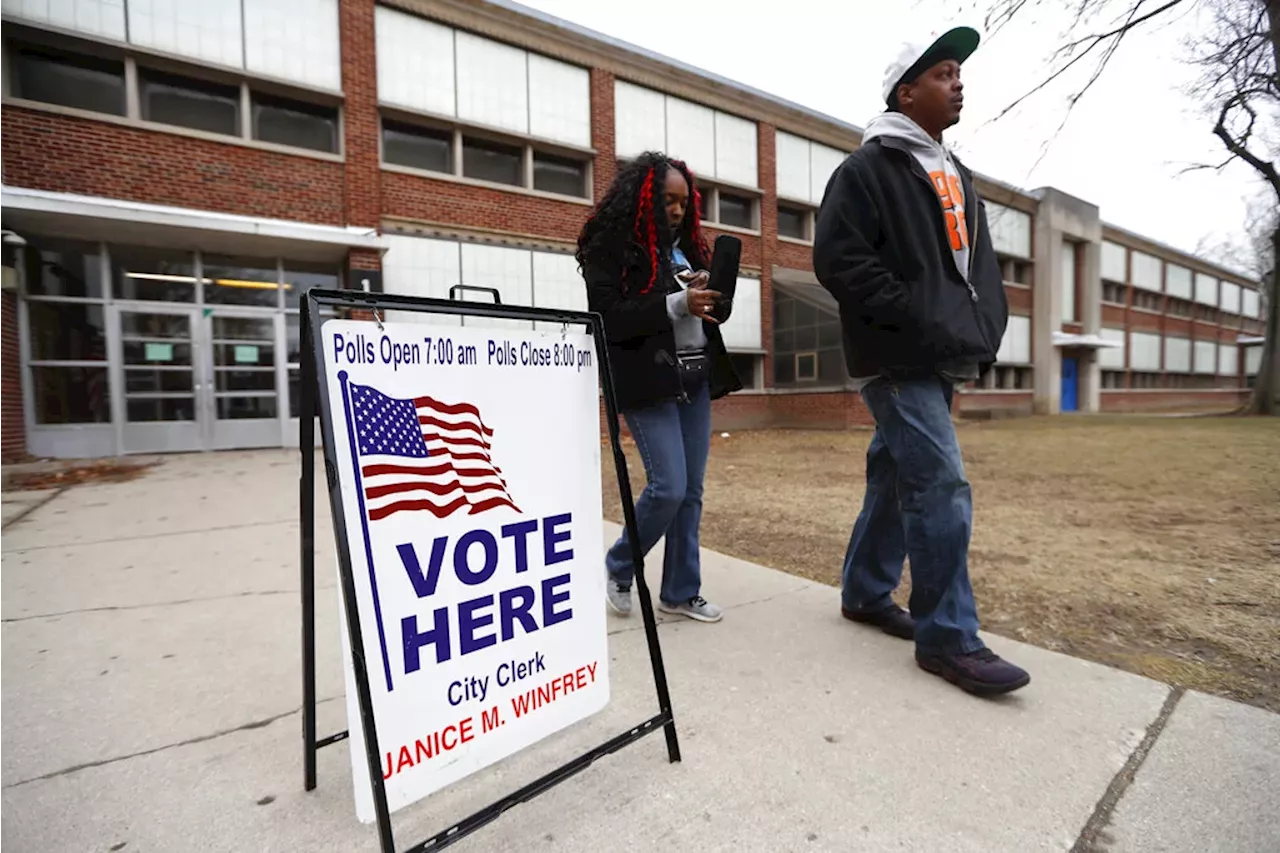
x: 958, y: 43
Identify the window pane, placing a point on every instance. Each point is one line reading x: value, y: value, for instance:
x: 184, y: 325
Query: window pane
x: 246, y: 408
x: 806, y: 366
x: 831, y: 370
x: 82, y: 82
x: 783, y: 311
x: 155, y: 326
x: 241, y: 281
x: 162, y: 409
x: 147, y: 352
x: 244, y: 329
x: 301, y: 276
x: 244, y: 380
x: 806, y: 314
x: 295, y: 393
x: 559, y: 175
x: 784, y: 368
x: 138, y: 380
x: 791, y: 223
x: 70, y: 395
x: 806, y: 337
x: 63, y: 331
x: 293, y: 331
x: 488, y: 161
x: 829, y: 335
x: 417, y: 147
x: 184, y: 102
x: 244, y: 355
x: 152, y: 274
x: 301, y: 125
x: 736, y: 211
x: 64, y: 268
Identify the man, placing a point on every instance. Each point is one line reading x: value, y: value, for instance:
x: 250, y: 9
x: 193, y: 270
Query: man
x: 902, y: 244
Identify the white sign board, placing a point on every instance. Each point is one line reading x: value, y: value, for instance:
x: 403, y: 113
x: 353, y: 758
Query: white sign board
x: 469, y: 464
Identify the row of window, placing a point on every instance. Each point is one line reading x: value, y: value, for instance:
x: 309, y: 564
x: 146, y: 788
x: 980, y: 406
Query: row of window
x: 1007, y: 377
x: 454, y: 152
x: 1115, y: 380
x: 1117, y: 294
x: 102, y: 85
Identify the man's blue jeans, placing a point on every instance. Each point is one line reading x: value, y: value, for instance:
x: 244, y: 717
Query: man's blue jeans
x: 917, y: 504
x: 674, y: 440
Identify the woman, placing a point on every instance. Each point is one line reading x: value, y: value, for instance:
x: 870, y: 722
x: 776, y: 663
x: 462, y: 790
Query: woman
x: 645, y: 263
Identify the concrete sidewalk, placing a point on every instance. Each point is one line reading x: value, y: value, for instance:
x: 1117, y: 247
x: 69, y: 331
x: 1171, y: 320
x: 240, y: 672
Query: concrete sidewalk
x: 151, y: 685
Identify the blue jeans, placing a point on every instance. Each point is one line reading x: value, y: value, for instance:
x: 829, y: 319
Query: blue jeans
x: 674, y: 440
x: 918, y: 504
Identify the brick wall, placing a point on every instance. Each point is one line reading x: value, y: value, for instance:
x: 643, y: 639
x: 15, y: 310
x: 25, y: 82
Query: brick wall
x: 1020, y: 300
x: 415, y: 197
x: 992, y: 404
x: 767, y: 177
x: 791, y: 255
x: 13, y: 432
x: 78, y: 155
x: 834, y: 410
x: 361, y: 127
x: 1172, y: 400
x: 602, y: 131
x: 751, y: 250
x: 363, y: 259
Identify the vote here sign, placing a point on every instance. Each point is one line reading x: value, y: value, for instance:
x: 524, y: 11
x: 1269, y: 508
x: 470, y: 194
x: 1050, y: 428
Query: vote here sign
x: 469, y: 464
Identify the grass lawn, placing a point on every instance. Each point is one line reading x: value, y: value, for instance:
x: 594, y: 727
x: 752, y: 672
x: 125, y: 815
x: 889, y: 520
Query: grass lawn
x: 1150, y: 544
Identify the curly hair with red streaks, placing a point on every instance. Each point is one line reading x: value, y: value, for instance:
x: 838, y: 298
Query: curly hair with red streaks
x: 627, y: 223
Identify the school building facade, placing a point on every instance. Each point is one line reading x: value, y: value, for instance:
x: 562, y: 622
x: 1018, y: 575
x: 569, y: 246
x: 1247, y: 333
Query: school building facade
x: 176, y: 175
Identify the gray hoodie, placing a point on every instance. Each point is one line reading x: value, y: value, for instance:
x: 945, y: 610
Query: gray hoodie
x: 936, y: 160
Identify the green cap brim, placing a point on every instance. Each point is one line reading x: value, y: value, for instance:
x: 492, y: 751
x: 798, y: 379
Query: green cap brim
x: 958, y: 43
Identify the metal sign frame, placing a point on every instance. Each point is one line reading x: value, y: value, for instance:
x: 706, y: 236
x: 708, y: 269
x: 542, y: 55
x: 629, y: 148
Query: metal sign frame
x: 315, y: 402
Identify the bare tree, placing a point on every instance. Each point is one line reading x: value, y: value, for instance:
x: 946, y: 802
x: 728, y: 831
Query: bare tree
x: 1239, y: 56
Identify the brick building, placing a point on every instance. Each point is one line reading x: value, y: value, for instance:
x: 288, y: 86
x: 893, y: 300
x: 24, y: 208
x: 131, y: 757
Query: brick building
x: 177, y: 174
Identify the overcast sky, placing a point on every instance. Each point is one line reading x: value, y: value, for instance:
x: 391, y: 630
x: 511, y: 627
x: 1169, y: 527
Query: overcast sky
x: 1122, y: 149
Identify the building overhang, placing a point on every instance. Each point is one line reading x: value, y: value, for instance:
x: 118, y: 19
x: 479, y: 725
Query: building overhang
x: 1070, y: 339
x: 112, y: 220
x: 1250, y: 340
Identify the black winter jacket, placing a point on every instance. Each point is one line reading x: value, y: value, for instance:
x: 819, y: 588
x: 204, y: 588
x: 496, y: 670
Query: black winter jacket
x: 881, y: 249
x: 642, y: 342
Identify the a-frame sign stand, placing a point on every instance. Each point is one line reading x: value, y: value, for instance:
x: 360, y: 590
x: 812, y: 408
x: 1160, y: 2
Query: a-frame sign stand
x: 312, y: 403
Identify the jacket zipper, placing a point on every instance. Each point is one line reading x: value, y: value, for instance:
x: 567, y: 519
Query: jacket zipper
x: 968, y: 283
x: 968, y: 279
x: 973, y: 293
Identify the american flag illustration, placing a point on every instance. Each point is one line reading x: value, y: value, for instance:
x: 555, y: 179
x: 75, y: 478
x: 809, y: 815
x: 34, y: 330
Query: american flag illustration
x: 419, y: 454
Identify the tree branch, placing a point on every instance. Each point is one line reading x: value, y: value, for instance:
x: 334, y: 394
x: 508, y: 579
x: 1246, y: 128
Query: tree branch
x: 1205, y: 167
x: 1093, y: 41
x: 1239, y: 147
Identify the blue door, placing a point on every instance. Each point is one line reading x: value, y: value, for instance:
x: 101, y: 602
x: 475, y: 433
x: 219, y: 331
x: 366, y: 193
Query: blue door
x: 1069, y: 384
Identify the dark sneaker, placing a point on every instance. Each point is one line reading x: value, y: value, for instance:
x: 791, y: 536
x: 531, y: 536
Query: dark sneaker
x: 893, y: 620
x: 982, y: 673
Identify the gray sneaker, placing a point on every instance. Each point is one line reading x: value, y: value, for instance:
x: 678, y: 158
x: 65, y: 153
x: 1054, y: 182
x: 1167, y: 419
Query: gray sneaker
x: 619, y: 597
x: 695, y: 608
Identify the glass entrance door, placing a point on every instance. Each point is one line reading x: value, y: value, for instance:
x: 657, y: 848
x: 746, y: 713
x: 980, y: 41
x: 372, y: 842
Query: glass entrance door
x: 162, y: 379
x: 244, y: 401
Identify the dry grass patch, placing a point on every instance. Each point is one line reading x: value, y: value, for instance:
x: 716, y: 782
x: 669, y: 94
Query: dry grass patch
x: 1151, y: 544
